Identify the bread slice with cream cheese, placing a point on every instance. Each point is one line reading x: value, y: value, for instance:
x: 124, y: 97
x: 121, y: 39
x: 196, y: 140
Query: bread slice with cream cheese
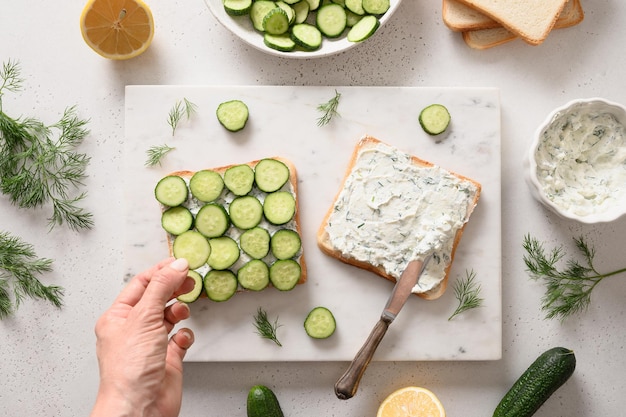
x: 392, y: 208
x: 233, y: 232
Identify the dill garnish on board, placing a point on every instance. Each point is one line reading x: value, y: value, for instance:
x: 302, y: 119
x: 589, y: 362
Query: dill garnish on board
x: 265, y: 328
x: 467, y: 293
x: 568, y: 289
x: 19, y: 266
x: 329, y: 109
x: 39, y: 163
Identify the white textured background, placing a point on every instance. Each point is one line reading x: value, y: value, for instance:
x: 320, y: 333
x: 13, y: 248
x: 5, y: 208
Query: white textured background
x: 48, y: 365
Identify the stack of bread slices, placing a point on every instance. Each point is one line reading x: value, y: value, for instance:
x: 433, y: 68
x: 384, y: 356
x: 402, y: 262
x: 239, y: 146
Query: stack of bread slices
x: 488, y: 23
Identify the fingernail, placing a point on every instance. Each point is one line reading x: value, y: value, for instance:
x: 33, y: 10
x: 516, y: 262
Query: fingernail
x: 180, y: 264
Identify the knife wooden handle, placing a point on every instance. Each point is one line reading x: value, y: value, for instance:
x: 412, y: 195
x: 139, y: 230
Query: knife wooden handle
x: 346, y: 386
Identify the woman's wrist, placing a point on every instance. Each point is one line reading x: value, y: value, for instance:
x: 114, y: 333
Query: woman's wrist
x: 113, y: 401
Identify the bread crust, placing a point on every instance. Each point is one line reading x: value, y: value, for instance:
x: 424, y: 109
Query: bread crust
x: 325, y: 245
x: 293, y: 180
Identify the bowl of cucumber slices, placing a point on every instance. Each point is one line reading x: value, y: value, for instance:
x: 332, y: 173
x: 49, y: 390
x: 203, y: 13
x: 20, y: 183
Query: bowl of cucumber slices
x: 303, y: 28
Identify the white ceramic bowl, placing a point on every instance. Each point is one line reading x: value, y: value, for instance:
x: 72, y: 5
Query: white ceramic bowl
x: 242, y: 27
x: 587, y: 183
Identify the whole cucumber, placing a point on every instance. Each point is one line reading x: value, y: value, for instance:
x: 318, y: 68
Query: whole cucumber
x: 262, y: 402
x: 544, y: 376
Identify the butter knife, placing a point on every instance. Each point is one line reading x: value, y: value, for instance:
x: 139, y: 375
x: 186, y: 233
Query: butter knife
x: 347, y: 385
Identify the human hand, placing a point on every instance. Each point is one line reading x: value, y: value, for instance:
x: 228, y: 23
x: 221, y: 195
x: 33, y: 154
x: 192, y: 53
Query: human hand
x: 141, y: 371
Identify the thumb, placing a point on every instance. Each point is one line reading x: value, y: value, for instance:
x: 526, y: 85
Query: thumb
x: 165, y: 282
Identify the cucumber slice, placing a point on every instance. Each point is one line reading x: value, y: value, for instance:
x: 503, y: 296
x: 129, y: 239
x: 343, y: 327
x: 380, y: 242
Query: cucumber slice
x: 376, y: 6
x: 285, y: 244
x: 352, y: 18
x: 279, y: 207
x: 254, y: 275
x: 307, y: 36
x: 176, y: 220
x: 233, y: 115
x: 285, y: 274
x: 434, y: 119
x: 224, y: 253
x: 239, y: 179
x: 282, y: 43
x: 220, y: 285
x: 258, y: 11
x: 171, y: 191
x: 276, y: 21
x: 212, y: 220
x: 363, y: 29
x: 355, y: 6
x: 270, y: 175
x: 302, y: 9
x: 246, y: 212
x: 237, y: 7
x: 313, y: 4
x: 192, y: 246
x: 291, y: 13
x: 206, y: 185
x: 255, y: 242
x: 320, y: 323
x: 331, y: 20
x: 194, y: 294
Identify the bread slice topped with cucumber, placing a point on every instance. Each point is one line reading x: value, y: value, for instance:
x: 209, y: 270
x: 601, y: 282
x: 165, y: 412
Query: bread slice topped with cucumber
x: 237, y: 225
x: 392, y: 208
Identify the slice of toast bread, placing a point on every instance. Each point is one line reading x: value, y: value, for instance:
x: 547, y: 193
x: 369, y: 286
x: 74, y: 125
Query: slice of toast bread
x: 571, y: 15
x: 531, y: 20
x: 227, y: 197
x: 393, y: 207
x: 460, y: 17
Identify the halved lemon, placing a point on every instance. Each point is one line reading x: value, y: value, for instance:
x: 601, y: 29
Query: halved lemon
x: 117, y: 29
x: 411, y: 402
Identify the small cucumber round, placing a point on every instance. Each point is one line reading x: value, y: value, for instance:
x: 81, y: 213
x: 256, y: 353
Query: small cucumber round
x: 320, y: 323
x: 434, y: 119
x: 262, y: 402
x: 544, y: 376
x: 194, y: 294
x: 233, y: 114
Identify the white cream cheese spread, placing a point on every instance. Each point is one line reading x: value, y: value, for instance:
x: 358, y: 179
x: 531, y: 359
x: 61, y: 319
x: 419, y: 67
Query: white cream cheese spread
x: 391, y: 211
x: 581, y: 161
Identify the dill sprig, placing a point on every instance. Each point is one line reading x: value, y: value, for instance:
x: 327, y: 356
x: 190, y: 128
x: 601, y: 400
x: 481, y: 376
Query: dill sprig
x: 568, y: 290
x: 19, y: 266
x: 329, y: 110
x: 467, y: 293
x: 184, y: 108
x: 265, y: 328
x: 156, y: 153
x: 40, y: 164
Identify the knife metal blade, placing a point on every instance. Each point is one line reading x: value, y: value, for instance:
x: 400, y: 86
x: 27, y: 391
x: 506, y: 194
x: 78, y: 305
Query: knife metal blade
x: 348, y: 384
x: 404, y: 287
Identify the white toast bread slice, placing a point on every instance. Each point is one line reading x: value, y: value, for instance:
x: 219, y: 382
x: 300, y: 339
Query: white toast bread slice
x: 293, y: 187
x: 531, y: 20
x: 571, y: 15
x: 460, y: 17
x: 442, y: 261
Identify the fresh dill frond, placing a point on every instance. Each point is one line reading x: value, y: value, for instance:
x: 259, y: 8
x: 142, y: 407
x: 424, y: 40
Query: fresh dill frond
x: 265, y: 328
x: 467, y: 293
x: 329, y: 110
x: 19, y: 266
x: 568, y: 290
x: 184, y: 108
x: 40, y: 164
x: 156, y: 153
x: 11, y: 79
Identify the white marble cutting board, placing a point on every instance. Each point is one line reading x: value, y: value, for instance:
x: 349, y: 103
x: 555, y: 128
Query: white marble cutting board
x: 283, y: 122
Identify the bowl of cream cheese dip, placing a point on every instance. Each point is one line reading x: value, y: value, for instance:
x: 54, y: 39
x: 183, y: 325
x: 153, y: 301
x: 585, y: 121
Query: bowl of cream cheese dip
x: 576, y: 165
